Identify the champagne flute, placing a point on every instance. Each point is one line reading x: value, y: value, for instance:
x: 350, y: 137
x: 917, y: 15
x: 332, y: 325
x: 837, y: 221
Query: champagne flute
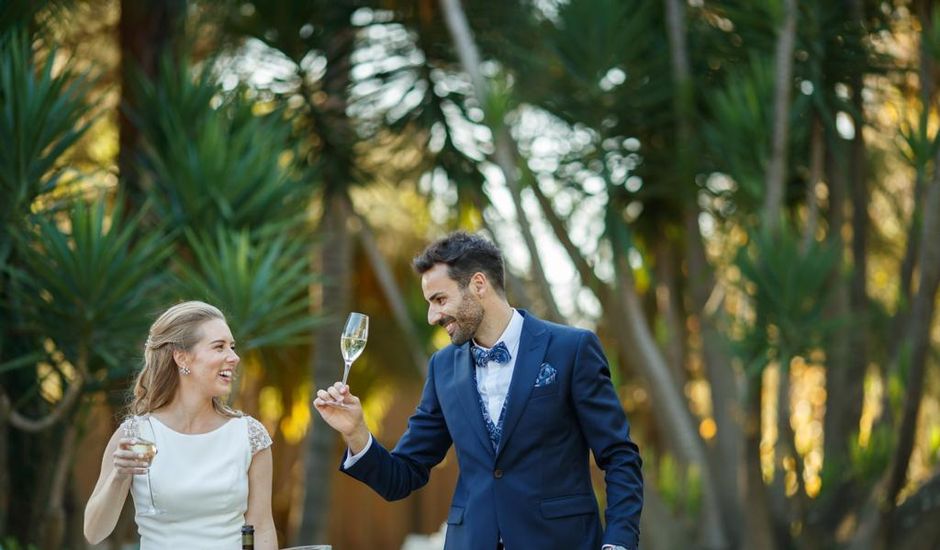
x: 353, y: 340
x: 148, y: 450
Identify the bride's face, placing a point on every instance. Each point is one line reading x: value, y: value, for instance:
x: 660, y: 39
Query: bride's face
x: 212, y: 361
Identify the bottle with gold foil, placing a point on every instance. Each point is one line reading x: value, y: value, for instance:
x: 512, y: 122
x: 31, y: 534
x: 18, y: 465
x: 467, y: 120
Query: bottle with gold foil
x: 248, y: 537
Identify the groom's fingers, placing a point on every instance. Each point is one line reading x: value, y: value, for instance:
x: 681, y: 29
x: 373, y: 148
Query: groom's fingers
x: 338, y: 391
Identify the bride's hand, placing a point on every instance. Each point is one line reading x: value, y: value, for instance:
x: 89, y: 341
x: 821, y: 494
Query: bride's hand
x: 127, y: 462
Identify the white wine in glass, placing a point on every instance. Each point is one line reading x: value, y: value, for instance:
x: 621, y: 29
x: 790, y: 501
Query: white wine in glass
x: 353, y: 340
x: 147, y: 449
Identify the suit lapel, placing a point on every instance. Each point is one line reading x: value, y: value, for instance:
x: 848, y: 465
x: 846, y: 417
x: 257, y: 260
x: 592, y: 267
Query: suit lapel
x: 532, y: 346
x: 465, y: 384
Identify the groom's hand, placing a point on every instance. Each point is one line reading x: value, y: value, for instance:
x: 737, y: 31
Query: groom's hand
x: 347, y: 419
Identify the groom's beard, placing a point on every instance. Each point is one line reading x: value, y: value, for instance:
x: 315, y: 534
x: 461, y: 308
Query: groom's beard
x: 467, y: 319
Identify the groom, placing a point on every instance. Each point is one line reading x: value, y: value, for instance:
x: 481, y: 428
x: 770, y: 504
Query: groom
x: 523, y: 401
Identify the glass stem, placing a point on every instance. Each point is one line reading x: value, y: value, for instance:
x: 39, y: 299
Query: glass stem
x: 153, y: 506
x: 346, y: 371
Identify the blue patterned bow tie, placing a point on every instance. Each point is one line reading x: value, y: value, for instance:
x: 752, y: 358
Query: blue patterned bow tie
x: 498, y: 354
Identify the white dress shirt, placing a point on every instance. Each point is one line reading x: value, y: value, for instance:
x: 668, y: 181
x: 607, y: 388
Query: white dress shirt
x: 492, y: 380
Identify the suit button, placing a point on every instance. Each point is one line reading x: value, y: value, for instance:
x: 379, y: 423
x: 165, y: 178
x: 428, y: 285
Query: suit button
x: 497, y: 474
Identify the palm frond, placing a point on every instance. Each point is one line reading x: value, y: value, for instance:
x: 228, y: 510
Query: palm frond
x: 261, y: 282
x: 91, y: 278
x: 788, y: 287
x: 212, y: 159
x: 43, y: 112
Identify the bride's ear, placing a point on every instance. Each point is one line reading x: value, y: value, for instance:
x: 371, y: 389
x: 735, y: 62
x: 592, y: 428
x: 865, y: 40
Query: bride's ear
x: 181, y: 358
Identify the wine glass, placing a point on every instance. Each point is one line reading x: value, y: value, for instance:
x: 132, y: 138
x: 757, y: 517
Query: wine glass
x: 353, y: 340
x: 148, y: 450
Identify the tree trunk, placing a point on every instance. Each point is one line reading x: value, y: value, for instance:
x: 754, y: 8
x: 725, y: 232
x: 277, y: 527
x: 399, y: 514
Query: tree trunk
x: 919, y: 328
x: 758, y: 518
x: 875, y: 520
x: 783, y: 84
x: 905, y: 293
x: 726, y: 460
x: 5, y: 486
x: 504, y: 153
x: 675, y: 421
x: 53, y: 520
x: 726, y: 388
x: 917, y: 518
x: 559, y: 228
x: 660, y: 529
x: 147, y: 29
x: 335, y: 266
x: 817, y: 160
x: 669, y: 305
x: 393, y: 294
x: 840, y: 423
x: 516, y: 289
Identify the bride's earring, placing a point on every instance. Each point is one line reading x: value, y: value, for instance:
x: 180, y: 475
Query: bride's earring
x: 185, y: 370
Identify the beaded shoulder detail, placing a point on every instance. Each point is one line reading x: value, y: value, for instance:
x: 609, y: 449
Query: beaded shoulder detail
x: 257, y: 436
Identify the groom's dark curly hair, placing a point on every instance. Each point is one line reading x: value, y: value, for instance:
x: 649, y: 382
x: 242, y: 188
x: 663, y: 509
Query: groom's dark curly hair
x: 464, y: 254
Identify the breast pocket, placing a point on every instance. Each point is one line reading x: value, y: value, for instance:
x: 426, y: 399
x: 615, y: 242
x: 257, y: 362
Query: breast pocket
x: 545, y: 391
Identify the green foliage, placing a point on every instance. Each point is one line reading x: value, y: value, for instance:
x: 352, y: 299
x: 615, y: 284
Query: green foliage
x: 738, y: 134
x: 10, y: 543
x: 788, y: 286
x: 17, y: 14
x: 90, y: 280
x: 261, y: 283
x: 598, y: 64
x: 499, y: 101
x: 42, y: 113
x: 213, y: 160
x: 680, y: 487
x: 870, y: 462
x: 931, y: 37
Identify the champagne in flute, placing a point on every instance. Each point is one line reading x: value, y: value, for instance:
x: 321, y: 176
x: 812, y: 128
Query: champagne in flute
x: 351, y: 348
x: 353, y: 340
x: 147, y: 449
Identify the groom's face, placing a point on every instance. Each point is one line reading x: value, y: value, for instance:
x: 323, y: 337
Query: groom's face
x: 456, y: 309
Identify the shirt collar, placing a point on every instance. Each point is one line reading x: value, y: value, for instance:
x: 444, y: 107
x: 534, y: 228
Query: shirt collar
x: 511, y: 335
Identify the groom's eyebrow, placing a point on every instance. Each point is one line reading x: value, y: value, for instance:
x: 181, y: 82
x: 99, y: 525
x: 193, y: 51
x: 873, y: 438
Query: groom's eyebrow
x: 434, y: 296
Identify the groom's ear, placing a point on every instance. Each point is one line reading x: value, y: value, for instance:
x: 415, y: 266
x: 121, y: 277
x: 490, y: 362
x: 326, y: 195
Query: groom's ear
x: 478, y: 283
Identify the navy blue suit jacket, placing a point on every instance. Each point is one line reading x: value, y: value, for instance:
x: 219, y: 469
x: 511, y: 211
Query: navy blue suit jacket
x: 535, y: 490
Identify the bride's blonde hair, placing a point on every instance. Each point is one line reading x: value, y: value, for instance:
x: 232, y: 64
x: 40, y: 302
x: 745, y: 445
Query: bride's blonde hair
x: 177, y: 329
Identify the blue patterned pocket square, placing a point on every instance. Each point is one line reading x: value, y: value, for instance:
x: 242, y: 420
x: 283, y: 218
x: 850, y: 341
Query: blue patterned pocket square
x: 546, y: 375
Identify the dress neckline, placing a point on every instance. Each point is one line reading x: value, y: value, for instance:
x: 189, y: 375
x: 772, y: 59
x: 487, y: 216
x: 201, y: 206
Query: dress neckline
x: 212, y: 431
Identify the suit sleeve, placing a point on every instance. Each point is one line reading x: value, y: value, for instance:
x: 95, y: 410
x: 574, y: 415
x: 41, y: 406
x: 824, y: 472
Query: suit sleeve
x: 605, y: 426
x: 394, y: 475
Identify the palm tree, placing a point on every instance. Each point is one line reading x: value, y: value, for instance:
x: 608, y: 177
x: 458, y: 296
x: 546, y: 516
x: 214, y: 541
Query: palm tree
x: 81, y: 276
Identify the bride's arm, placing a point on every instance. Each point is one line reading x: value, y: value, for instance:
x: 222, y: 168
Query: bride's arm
x: 118, y: 466
x: 259, y: 500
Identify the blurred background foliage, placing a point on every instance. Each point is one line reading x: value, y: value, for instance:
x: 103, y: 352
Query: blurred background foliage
x: 742, y: 198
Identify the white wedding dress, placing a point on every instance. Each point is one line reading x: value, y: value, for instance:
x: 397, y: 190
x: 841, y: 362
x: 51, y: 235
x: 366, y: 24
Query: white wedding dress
x: 199, y: 484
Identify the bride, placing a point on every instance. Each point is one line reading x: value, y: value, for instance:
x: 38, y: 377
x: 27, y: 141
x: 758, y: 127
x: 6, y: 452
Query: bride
x: 212, y: 469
